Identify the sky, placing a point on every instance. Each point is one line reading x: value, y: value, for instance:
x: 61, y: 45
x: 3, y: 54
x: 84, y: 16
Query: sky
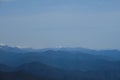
x: 91, y: 24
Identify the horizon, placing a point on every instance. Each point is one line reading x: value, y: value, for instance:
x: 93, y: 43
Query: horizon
x: 50, y: 24
x: 24, y: 47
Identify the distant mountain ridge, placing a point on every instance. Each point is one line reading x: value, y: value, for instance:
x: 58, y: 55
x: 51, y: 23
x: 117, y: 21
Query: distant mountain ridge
x: 85, y: 50
x: 16, y: 56
x: 15, y: 49
x: 58, y: 64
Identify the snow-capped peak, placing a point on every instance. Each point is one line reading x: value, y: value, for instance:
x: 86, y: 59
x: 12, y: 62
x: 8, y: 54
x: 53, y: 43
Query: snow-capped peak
x: 13, y: 46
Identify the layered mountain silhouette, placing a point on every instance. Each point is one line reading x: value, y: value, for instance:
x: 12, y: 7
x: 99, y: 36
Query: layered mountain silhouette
x: 59, y: 64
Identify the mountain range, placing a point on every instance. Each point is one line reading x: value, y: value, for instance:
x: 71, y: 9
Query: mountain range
x: 58, y: 64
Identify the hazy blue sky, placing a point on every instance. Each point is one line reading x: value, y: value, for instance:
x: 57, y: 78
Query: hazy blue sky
x: 67, y: 23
